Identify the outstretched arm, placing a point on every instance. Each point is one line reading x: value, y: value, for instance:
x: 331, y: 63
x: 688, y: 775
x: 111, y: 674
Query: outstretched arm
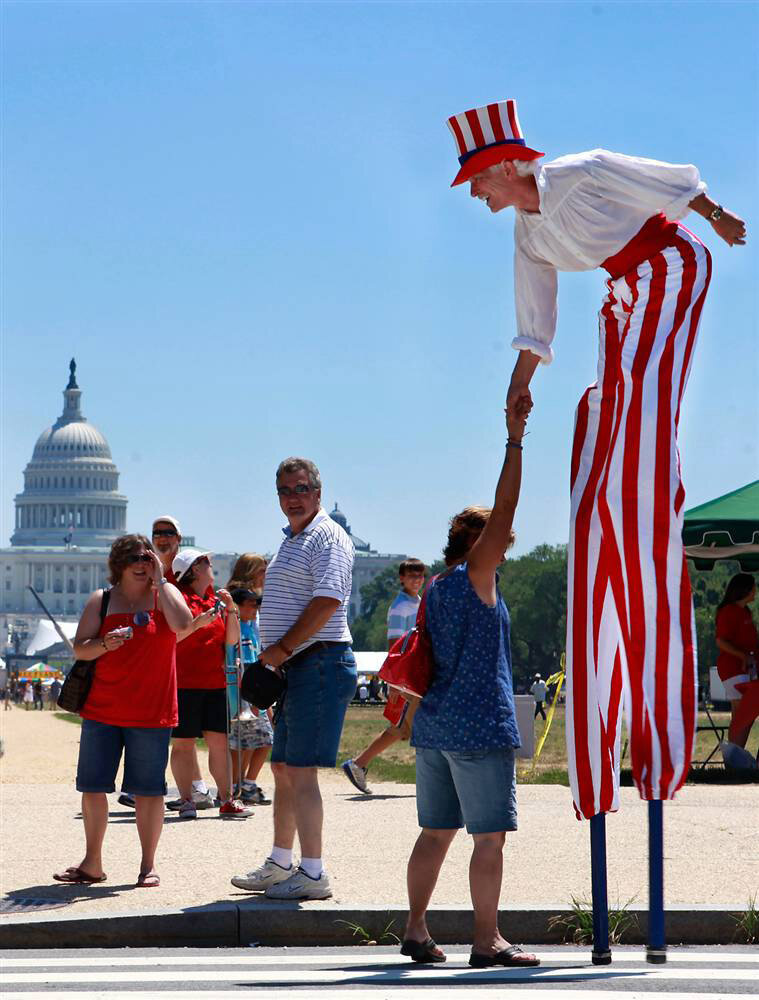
x: 728, y: 227
x: 487, y: 553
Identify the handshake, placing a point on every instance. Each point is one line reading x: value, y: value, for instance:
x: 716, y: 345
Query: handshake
x: 518, y: 406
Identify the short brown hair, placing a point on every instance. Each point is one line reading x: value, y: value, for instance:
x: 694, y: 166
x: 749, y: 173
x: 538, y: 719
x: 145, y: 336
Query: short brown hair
x: 411, y: 565
x: 125, y: 546
x: 466, y: 527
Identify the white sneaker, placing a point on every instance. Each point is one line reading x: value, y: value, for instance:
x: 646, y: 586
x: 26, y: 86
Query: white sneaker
x: 202, y: 800
x: 269, y: 874
x: 300, y: 886
x: 357, y: 776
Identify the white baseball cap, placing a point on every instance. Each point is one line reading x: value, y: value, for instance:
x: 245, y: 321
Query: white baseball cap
x: 184, y: 559
x: 169, y: 520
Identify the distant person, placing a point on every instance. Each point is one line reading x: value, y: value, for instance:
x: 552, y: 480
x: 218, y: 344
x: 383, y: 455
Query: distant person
x: 167, y: 539
x: 465, y: 729
x: 28, y: 696
x: 6, y: 695
x: 251, y: 736
x: 401, y: 617
x: 202, y: 683
x: 132, y: 704
x: 38, y: 703
x: 55, y: 690
x: 304, y: 627
x: 538, y: 690
x: 738, y: 646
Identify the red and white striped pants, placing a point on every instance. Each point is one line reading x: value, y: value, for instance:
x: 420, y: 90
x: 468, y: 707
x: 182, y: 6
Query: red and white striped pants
x: 630, y: 628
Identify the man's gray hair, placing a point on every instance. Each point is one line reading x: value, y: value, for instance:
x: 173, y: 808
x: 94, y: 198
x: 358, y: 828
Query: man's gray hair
x: 300, y: 465
x: 524, y: 168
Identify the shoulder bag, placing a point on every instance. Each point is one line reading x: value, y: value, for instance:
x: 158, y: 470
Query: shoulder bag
x: 409, y: 665
x: 76, y: 686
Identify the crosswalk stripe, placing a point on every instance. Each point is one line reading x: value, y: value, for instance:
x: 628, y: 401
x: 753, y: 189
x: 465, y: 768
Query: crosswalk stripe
x: 367, y: 958
x: 441, y: 993
x: 388, y: 974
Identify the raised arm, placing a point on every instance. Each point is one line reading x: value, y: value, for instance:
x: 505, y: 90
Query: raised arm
x: 488, y: 551
x: 169, y: 599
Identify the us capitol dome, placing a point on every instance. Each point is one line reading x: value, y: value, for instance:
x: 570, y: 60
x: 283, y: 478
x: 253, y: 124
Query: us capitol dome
x: 70, y: 494
x: 67, y: 515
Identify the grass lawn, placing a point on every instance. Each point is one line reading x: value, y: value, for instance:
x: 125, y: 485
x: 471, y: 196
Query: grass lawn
x: 397, y: 764
x: 363, y: 723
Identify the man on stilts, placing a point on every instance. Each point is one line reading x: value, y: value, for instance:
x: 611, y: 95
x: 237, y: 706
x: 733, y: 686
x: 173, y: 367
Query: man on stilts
x: 630, y: 630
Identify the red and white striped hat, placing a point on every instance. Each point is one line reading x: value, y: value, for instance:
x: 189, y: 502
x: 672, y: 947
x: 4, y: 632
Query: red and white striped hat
x: 485, y: 136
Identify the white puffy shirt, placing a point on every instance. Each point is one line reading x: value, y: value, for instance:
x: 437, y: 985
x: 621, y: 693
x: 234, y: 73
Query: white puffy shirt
x: 591, y: 205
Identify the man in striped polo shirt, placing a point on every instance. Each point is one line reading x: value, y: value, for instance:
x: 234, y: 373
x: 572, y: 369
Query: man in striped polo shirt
x: 304, y: 628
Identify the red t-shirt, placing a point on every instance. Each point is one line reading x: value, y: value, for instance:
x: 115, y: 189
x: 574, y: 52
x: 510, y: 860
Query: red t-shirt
x: 735, y: 624
x: 136, y: 684
x: 201, y: 656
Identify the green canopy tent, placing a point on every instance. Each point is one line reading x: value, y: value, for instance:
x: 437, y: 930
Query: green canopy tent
x: 725, y: 528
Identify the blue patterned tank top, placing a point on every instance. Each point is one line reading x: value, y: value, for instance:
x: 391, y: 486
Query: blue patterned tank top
x: 470, y: 703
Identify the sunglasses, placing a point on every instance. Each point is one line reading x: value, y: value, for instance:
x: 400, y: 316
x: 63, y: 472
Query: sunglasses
x: 142, y: 618
x: 134, y: 558
x: 299, y: 490
x: 165, y: 533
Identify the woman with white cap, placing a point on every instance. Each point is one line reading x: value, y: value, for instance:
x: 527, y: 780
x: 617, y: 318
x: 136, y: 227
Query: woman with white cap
x: 201, y: 682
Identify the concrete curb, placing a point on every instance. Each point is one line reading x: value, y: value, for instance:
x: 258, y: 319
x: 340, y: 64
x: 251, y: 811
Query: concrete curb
x: 230, y: 925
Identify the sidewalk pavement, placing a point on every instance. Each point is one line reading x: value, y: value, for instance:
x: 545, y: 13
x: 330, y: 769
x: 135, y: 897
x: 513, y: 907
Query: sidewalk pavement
x: 711, y: 861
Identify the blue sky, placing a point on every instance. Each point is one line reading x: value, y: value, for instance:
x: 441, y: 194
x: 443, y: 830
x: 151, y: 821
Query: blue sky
x: 237, y: 216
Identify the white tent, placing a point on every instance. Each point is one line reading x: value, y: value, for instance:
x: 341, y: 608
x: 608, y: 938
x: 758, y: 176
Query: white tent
x: 46, y: 636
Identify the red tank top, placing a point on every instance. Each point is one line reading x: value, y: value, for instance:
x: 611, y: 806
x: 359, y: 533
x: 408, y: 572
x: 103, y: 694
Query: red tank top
x: 136, y: 684
x: 202, y: 655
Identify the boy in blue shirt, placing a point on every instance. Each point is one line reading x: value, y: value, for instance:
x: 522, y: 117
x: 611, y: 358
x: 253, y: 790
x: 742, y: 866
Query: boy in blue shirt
x: 251, y: 735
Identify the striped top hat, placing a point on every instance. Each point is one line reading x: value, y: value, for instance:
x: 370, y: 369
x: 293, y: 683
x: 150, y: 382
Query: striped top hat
x: 485, y: 136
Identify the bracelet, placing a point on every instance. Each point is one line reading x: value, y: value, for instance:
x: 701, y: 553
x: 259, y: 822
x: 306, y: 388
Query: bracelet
x: 285, y: 648
x: 162, y: 582
x: 233, y: 611
x: 514, y: 444
x: 716, y: 213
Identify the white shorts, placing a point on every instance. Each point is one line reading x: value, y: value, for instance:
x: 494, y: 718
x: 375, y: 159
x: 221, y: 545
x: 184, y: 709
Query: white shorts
x: 729, y: 685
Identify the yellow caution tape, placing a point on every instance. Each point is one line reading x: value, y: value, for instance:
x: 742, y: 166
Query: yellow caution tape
x: 558, y: 680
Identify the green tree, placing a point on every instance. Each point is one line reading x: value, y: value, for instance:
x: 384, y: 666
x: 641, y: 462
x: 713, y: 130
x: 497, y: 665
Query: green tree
x: 534, y: 587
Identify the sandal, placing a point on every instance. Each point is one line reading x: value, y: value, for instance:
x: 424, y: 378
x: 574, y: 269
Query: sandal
x: 76, y: 876
x: 422, y: 951
x: 512, y: 956
x: 148, y: 880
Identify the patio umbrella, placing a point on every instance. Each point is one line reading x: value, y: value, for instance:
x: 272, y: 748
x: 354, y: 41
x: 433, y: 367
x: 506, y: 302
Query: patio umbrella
x: 725, y: 528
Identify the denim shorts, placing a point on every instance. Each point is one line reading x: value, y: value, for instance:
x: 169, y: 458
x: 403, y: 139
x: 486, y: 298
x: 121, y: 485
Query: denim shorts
x: 319, y: 689
x: 146, y: 753
x: 472, y: 788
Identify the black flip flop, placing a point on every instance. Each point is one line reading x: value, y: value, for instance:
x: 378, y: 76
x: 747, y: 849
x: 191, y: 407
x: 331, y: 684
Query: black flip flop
x: 513, y: 957
x: 422, y: 951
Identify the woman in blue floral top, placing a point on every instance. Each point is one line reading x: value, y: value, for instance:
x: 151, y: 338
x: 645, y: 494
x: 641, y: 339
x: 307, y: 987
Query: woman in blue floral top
x: 465, y: 731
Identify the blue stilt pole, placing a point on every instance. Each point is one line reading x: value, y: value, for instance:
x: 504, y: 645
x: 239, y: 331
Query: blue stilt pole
x: 601, y: 951
x: 656, y: 949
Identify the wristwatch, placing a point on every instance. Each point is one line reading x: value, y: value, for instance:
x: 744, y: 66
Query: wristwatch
x: 716, y: 213
x: 162, y: 581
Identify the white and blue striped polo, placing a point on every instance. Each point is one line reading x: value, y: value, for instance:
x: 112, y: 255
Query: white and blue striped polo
x: 317, y: 562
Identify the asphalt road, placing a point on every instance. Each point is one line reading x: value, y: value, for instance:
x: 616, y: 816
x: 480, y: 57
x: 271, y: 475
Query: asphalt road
x: 370, y: 974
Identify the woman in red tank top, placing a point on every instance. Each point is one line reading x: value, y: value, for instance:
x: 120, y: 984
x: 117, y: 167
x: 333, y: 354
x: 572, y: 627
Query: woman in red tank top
x: 131, y: 631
